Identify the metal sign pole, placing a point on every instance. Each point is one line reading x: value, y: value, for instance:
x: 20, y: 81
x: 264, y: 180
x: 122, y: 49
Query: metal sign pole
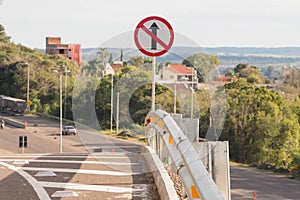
x: 118, y: 110
x: 153, y: 83
x: 60, y: 111
x: 175, y: 96
x: 152, y: 34
x: 111, y: 102
x: 23, y: 144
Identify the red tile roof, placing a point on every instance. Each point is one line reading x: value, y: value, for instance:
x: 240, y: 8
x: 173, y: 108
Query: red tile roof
x: 181, y: 69
x: 116, y: 66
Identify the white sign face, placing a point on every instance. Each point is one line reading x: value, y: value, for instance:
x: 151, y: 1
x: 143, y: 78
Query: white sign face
x: 154, y: 36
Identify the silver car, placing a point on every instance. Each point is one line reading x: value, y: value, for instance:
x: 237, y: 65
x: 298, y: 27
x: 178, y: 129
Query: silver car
x: 68, y: 130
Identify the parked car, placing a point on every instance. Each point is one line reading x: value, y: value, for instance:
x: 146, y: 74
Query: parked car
x: 68, y: 130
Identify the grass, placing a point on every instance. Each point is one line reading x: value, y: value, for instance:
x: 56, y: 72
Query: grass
x: 135, y: 138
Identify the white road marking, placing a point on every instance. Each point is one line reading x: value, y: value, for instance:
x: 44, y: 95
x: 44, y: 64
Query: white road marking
x: 21, y: 161
x: 100, y: 188
x: 40, y: 191
x: 67, y: 156
x: 45, y: 173
x: 64, y: 194
x: 80, y: 171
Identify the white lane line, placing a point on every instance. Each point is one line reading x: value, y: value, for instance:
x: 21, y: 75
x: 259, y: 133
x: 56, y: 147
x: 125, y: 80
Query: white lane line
x: 68, y: 161
x: 100, y: 188
x: 40, y: 191
x: 49, y: 156
x: 81, y: 171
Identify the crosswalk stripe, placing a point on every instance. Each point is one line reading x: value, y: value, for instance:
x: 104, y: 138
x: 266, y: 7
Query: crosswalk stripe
x: 69, y: 161
x: 69, y: 156
x: 101, y: 188
x: 81, y: 171
x: 42, y: 194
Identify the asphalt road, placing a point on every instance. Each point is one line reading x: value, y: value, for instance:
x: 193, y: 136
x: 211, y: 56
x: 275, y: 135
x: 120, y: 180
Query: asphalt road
x: 267, y: 186
x: 88, y: 156
x: 92, y: 165
x: 41, y: 139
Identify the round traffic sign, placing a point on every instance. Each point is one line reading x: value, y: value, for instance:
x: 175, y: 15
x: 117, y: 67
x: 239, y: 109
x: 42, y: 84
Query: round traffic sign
x: 154, y: 36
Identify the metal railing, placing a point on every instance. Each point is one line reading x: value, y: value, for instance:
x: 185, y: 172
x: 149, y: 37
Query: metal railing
x: 169, y: 142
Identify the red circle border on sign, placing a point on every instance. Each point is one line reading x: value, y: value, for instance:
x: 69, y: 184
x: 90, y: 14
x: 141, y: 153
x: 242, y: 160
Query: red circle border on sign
x: 140, y: 25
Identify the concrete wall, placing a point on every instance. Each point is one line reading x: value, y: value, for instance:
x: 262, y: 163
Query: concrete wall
x: 165, y: 185
x: 189, y: 126
x: 215, y: 157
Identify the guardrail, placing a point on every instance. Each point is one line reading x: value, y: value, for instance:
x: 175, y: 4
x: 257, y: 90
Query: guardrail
x: 13, y: 122
x: 168, y: 140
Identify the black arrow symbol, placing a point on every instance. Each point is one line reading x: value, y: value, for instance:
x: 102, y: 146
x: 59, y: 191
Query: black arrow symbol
x: 153, y: 28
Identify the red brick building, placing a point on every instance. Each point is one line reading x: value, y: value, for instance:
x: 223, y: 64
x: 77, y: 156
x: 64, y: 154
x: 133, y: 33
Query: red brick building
x: 71, y: 51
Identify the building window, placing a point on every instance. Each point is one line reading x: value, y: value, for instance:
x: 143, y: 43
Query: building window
x: 61, y: 51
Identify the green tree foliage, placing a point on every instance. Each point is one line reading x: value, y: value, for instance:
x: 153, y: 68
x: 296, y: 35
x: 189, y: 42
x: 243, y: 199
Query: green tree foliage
x: 96, y: 66
x: 237, y: 70
x: 260, y: 126
x: 3, y: 37
x: 204, y: 100
x: 139, y: 101
x: 44, y: 85
x: 203, y: 63
x: 251, y: 74
x: 137, y: 61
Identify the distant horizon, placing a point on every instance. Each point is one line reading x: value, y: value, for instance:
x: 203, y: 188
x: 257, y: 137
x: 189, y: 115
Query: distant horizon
x: 210, y: 24
x: 269, y: 47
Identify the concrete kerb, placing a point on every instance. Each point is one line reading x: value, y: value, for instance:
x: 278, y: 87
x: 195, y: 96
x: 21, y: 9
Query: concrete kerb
x: 161, y: 177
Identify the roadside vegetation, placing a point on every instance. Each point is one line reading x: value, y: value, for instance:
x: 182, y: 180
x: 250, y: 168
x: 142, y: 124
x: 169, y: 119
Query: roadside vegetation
x: 262, y: 125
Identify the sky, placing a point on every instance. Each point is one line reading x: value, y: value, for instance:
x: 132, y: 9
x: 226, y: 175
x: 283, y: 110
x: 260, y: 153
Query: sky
x: 210, y: 23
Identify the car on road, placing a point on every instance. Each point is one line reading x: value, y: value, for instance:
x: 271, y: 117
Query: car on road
x: 68, y: 130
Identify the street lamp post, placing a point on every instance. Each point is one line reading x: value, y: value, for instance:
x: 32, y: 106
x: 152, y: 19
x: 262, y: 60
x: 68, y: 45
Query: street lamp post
x: 60, y: 72
x: 175, y: 95
x: 192, y: 102
x: 65, y: 99
x: 60, y: 111
x: 111, y: 102
x: 153, y: 83
x: 24, y: 64
x: 28, y: 104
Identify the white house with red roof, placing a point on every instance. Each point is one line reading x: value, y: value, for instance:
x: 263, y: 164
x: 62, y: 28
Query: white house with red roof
x: 172, y: 73
x: 112, y: 67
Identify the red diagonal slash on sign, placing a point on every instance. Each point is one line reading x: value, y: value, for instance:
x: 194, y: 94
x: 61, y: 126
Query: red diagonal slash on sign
x: 157, y: 39
x: 153, y: 36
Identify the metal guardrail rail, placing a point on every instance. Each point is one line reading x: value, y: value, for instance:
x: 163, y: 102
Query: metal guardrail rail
x: 165, y: 136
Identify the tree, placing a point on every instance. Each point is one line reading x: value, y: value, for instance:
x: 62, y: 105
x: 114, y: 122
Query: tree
x: 230, y: 72
x: 260, y: 126
x: 44, y: 85
x: 96, y: 67
x: 239, y: 68
x: 3, y: 37
x: 251, y: 74
x: 137, y: 61
x: 203, y: 63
